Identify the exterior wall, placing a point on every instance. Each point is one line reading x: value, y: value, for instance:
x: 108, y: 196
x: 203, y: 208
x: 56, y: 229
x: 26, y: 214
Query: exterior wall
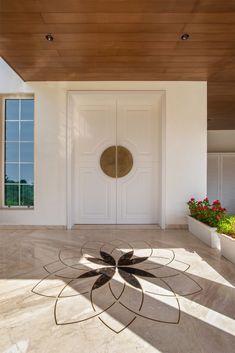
x: 10, y: 82
x: 185, y: 154
x: 221, y: 141
x: 186, y: 145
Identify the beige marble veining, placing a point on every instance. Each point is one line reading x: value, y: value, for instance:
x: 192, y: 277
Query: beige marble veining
x: 188, y: 305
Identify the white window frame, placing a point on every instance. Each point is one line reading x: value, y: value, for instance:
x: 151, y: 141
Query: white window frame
x: 4, y: 98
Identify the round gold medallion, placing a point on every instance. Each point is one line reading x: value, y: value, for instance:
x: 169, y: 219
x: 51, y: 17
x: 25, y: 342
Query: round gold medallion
x: 116, y: 161
x: 124, y: 161
x: 108, y: 161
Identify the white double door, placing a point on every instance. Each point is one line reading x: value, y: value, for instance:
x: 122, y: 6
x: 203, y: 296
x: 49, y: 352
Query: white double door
x: 101, y: 120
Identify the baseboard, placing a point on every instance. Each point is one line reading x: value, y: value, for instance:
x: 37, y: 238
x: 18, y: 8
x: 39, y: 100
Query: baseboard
x: 30, y: 227
x: 116, y: 226
x: 93, y: 227
x: 176, y: 226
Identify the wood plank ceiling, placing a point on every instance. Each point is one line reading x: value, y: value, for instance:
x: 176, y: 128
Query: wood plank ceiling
x: 126, y: 40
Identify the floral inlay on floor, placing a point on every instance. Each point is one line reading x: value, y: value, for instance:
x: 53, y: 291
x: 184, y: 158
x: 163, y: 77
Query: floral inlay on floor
x: 117, y: 283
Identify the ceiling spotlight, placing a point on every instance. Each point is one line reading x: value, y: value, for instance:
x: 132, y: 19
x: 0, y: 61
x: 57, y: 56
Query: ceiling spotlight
x: 185, y: 36
x: 49, y: 37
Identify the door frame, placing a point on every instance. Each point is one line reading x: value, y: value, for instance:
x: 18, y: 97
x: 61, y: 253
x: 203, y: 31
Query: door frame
x: 69, y: 149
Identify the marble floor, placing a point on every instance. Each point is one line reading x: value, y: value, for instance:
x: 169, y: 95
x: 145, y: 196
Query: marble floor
x: 112, y: 291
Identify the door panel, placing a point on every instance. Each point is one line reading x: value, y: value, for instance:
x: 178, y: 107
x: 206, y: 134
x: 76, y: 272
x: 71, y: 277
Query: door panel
x: 228, y: 183
x: 97, y: 197
x: 135, y: 199
x: 220, y: 179
x: 135, y: 129
x: 138, y: 129
x: 94, y: 129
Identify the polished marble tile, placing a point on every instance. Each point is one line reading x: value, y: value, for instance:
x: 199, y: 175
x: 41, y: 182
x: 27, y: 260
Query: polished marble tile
x: 114, y: 290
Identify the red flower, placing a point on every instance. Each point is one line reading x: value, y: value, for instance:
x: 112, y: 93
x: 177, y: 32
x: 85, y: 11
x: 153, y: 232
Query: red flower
x: 216, y: 202
x: 205, y: 212
x: 192, y: 199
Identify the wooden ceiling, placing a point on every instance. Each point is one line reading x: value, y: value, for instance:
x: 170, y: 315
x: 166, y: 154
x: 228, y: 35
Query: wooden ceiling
x: 126, y: 40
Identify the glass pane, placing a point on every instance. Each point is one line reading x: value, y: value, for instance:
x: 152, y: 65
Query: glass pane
x: 27, y: 109
x: 26, y: 131
x: 11, y: 173
x: 12, y: 152
x: 11, y: 195
x: 26, y: 195
x: 19, y: 178
x: 26, y: 174
x: 12, y: 131
x: 26, y: 152
x: 12, y: 109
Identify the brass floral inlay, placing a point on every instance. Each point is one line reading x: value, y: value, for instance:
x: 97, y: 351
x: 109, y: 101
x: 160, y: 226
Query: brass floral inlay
x: 85, y: 278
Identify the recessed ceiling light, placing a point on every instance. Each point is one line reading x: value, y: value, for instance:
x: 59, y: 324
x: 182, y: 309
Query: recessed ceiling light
x: 185, y: 36
x: 49, y: 37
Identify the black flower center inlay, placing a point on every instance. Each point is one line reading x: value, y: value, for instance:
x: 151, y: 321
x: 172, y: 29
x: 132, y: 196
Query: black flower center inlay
x: 110, y: 266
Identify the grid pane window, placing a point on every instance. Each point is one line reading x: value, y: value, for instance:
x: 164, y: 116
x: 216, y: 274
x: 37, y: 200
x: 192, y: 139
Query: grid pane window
x: 12, y: 109
x: 19, y: 152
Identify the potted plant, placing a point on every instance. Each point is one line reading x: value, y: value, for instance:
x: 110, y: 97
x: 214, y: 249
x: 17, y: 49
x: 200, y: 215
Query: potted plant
x: 203, y: 220
x: 226, y: 231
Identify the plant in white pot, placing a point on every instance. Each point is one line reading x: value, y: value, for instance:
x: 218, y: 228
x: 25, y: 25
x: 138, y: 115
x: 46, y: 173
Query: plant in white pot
x: 226, y: 231
x: 203, y: 220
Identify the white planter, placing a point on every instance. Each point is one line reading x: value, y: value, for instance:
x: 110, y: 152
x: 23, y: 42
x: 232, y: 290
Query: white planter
x: 227, y: 247
x: 203, y: 232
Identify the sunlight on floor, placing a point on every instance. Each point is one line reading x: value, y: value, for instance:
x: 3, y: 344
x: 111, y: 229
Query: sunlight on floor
x: 19, y: 347
x: 201, y: 312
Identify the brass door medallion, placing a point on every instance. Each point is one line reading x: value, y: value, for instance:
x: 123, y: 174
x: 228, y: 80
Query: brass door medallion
x: 116, y: 161
x: 108, y: 161
x: 124, y: 161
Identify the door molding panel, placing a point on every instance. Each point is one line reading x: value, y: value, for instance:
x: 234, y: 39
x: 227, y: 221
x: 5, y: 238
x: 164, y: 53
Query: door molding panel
x: 126, y: 113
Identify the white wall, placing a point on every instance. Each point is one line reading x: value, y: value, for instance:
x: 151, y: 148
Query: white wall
x: 186, y: 146
x: 10, y: 82
x: 221, y: 140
